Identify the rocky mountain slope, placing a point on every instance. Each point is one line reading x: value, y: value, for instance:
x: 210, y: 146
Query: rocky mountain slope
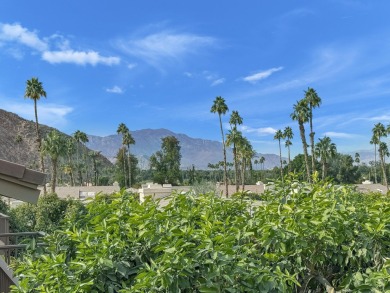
x: 18, y: 140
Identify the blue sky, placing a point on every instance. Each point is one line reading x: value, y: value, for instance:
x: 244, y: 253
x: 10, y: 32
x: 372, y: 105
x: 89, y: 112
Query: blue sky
x: 160, y: 64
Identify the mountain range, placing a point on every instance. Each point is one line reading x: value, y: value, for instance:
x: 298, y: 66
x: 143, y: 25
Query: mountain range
x: 195, y: 151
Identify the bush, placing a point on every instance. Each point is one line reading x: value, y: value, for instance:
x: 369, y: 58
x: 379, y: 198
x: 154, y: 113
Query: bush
x: 305, y: 237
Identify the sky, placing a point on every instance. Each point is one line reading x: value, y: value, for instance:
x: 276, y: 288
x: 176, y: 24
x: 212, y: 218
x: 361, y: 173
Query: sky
x: 161, y: 64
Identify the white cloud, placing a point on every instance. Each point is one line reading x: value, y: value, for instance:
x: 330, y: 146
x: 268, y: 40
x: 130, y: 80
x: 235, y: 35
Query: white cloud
x: 338, y: 134
x: 17, y: 33
x: 164, y: 46
x: 131, y: 65
x: 188, y: 74
x: 218, y: 81
x: 261, y: 75
x: 78, y: 57
x: 385, y: 118
x: 49, y: 114
x: 262, y: 131
x: 115, y: 90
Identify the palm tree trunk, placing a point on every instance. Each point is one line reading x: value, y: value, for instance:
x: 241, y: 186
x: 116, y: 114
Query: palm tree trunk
x: 129, y: 163
x: 303, y: 137
x: 39, y: 142
x: 323, y: 170
x: 224, y: 158
x: 54, y: 175
x: 243, y: 173
x: 289, y: 159
x: 312, y: 139
x: 281, y: 163
x: 384, y: 180
x: 235, y: 166
x: 376, y: 181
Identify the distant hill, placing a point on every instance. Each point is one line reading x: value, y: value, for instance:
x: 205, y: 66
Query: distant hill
x: 24, y: 150
x: 195, y: 151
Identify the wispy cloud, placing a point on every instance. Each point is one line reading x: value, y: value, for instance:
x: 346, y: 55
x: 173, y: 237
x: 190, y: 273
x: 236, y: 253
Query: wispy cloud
x: 50, y: 114
x: 218, y: 81
x: 131, y: 65
x: 262, y: 131
x: 261, y: 75
x: 165, y: 46
x: 338, y: 134
x: 78, y: 57
x: 115, y: 90
x: 15, y: 33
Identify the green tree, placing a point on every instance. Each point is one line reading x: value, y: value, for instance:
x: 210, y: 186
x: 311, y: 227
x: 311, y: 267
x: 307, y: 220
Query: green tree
x: 95, y: 155
x: 54, y: 145
x: 34, y: 91
x: 288, y: 135
x: 219, y: 106
x: 301, y: 114
x: 279, y: 136
x: 166, y: 162
x: 314, y: 101
x: 324, y: 150
x: 81, y: 138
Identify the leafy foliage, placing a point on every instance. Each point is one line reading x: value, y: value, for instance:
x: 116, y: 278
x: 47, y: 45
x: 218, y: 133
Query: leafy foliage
x: 300, y: 237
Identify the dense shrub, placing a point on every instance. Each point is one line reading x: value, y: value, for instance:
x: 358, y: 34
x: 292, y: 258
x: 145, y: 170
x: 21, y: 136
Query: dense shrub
x: 302, y: 237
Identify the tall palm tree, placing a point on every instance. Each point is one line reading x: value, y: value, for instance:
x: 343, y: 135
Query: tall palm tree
x: 54, y: 145
x: 122, y: 129
x: 324, y: 150
x: 279, y: 136
x: 314, y: 101
x: 261, y: 161
x: 70, y: 150
x: 34, y: 91
x: 219, y: 106
x: 288, y: 135
x: 95, y: 155
x: 246, y: 153
x: 128, y: 140
x: 301, y: 114
x: 81, y: 138
x: 383, y: 151
x: 235, y: 119
x: 375, y: 141
x: 379, y: 131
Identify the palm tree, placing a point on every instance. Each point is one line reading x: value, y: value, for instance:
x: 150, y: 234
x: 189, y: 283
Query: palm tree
x: 219, y: 106
x: 235, y: 119
x: 94, y: 155
x: 34, y: 91
x: 375, y: 141
x: 324, y: 150
x: 279, y: 136
x: 288, y: 135
x: 261, y: 161
x: 379, y: 131
x: 128, y: 140
x: 70, y: 150
x: 357, y: 158
x: 82, y: 138
x: 54, y: 145
x: 301, y: 114
x: 314, y: 101
x: 383, y: 151
x: 122, y: 129
x: 246, y: 153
